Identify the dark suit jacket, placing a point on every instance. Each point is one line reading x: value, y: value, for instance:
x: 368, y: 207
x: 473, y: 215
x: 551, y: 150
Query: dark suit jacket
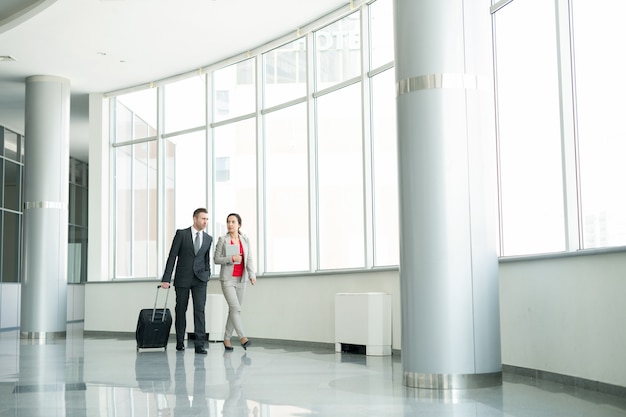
x: 188, y: 265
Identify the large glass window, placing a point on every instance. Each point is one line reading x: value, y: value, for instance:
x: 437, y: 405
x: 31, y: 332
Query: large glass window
x: 303, y: 165
x: 135, y: 216
x: 532, y: 211
x: 285, y: 73
x: 135, y: 173
x: 600, y: 65
x: 338, y: 51
x: 123, y: 211
x: 139, y: 118
x: 234, y: 91
x: 186, y: 175
x: 381, y: 39
x: 385, y: 170
x: 340, y: 176
x: 287, y: 189
x: 237, y: 193
x: 184, y: 104
x: 299, y: 170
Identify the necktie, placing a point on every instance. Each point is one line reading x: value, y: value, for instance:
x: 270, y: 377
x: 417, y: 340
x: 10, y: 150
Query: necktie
x: 196, y: 243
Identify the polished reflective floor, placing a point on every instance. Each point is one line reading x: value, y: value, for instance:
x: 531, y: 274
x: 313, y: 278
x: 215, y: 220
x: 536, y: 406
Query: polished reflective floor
x: 97, y: 376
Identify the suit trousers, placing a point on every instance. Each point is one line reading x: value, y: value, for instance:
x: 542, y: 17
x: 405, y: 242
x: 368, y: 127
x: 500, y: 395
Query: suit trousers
x: 234, y: 290
x: 198, y: 295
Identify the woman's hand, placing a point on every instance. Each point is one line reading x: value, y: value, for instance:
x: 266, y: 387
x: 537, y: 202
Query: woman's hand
x: 253, y: 280
x: 236, y: 259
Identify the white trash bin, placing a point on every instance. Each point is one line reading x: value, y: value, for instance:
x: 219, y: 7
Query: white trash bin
x: 363, y: 319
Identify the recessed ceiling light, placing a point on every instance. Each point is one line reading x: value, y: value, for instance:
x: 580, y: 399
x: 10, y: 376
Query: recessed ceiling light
x: 7, y: 58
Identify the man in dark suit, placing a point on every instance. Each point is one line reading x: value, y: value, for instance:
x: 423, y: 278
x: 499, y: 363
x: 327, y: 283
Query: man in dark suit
x: 190, y: 252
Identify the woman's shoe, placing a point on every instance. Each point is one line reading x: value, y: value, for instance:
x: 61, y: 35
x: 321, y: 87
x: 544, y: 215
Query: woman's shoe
x: 226, y: 347
x: 245, y: 344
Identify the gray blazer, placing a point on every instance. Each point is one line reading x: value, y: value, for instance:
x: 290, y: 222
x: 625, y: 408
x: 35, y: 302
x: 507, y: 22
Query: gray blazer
x: 225, y: 262
x: 188, y: 265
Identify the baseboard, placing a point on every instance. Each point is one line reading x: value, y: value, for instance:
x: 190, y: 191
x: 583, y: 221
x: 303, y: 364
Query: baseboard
x: 567, y: 380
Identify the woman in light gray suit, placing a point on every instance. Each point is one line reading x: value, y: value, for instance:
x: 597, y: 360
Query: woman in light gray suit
x: 234, y: 255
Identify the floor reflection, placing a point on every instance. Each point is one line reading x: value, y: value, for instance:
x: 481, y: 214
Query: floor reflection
x: 106, y: 376
x: 197, y: 403
x: 236, y: 404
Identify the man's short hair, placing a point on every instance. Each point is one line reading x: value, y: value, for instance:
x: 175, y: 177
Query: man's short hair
x: 200, y: 210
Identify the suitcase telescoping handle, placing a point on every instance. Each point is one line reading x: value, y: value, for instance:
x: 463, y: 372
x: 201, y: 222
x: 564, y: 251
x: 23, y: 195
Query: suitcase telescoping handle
x: 167, y: 294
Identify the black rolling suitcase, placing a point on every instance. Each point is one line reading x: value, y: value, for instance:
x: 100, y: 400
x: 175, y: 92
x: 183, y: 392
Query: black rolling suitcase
x: 153, y: 325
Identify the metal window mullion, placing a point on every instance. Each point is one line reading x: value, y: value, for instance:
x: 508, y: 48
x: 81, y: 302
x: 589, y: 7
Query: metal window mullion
x: 567, y: 110
x: 338, y: 86
x: 282, y: 106
x: 209, y: 150
x: 146, y: 174
x: 160, y: 186
x: 261, y: 174
x: 314, y: 249
x: 152, y: 212
x: 131, y: 243
x: 499, y: 5
x: 134, y: 141
x: 497, y: 134
x: 367, y: 143
x: 2, y: 260
x: 182, y: 132
x: 113, y: 187
x: 18, y: 260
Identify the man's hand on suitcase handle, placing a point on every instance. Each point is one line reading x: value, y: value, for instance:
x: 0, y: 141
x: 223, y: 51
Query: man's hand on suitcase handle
x: 165, y: 285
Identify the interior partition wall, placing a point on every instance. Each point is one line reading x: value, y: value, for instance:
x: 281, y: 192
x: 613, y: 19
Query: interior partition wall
x: 11, y: 174
x: 78, y: 222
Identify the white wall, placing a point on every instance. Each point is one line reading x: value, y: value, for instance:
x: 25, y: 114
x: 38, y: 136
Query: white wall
x: 286, y: 308
x: 566, y: 315
x: 75, y: 302
x: 10, y: 294
x: 10, y: 304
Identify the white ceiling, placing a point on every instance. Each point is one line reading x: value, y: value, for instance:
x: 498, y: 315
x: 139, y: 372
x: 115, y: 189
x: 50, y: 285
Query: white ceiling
x: 107, y: 45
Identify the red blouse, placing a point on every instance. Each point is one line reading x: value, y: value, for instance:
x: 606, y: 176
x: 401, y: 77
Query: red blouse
x: 238, y: 268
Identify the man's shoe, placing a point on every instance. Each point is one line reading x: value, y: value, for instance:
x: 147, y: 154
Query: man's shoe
x: 201, y: 350
x: 180, y: 346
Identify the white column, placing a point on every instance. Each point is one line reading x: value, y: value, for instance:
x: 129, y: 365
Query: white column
x: 46, y: 176
x: 446, y: 148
